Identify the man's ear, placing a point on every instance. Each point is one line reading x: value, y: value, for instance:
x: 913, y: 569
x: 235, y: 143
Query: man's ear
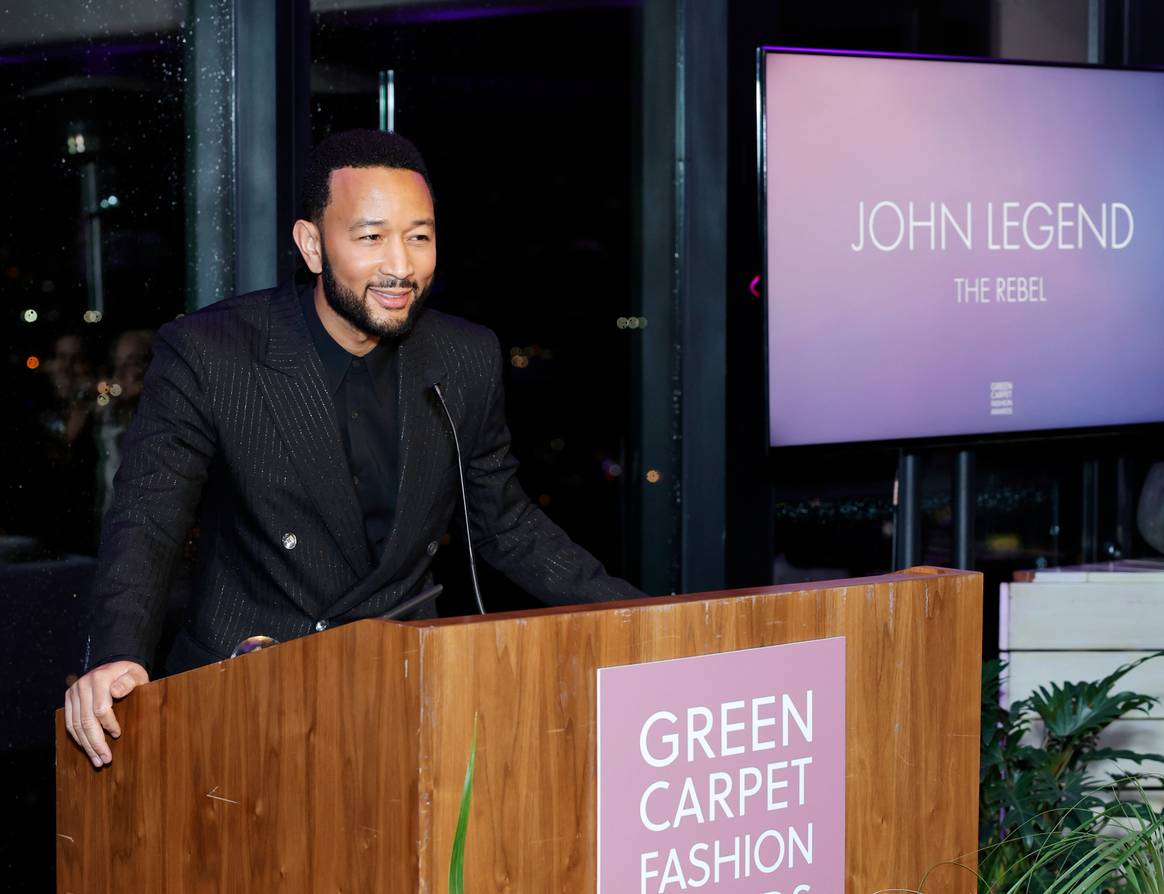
x: 310, y: 241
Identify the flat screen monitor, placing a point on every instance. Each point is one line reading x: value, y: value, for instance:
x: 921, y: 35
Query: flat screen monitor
x: 959, y: 247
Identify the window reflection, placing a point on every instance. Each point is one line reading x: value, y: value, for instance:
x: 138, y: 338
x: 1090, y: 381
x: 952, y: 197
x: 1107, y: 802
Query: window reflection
x: 92, y: 261
x: 92, y: 257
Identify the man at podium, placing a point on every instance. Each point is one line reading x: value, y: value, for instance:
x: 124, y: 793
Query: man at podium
x: 312, y: 433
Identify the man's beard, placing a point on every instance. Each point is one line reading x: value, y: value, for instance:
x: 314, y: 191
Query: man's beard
x: 355, y: 310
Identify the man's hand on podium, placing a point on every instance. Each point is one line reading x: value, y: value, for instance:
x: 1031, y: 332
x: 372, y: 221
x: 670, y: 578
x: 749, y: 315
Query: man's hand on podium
x: 89, y: 706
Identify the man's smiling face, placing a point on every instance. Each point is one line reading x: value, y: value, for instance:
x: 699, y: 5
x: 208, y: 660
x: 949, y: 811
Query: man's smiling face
x: 378, y: 251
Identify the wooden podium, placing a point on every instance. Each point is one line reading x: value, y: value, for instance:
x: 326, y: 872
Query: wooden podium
x: 335, y: 762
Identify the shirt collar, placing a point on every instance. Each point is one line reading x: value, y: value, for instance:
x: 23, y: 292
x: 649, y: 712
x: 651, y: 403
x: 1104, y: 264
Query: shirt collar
x: 336, y: 361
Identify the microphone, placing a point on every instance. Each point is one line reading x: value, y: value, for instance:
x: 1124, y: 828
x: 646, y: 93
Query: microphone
x: 414, y: 603
x: 435, y: 384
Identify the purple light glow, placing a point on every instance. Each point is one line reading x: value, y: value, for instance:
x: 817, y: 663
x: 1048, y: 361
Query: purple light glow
x: 422, y: 15
x: 85, y: 51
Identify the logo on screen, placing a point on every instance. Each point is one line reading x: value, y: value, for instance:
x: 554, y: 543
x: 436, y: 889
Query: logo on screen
x: 1002, y: 398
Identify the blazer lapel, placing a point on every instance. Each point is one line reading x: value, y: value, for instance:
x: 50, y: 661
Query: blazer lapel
x: 291, y: 378
x: 421, y: 420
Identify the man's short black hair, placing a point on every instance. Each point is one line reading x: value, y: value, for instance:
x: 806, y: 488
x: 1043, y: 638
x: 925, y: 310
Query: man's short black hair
x: 355, y: 149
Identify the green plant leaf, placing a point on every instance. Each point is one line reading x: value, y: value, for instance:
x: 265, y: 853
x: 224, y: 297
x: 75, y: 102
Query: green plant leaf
x: 1076, y: 712
x: 1071, y: 710
x: 1047, y: 825
x: 1114, y: 754
x: 457, y: 858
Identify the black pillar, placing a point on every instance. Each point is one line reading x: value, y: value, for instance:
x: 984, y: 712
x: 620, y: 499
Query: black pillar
x: 965, y: 501
x: 247, y: 126
x: 907, y: 515
x: 272, y: 66
x: 210, y: 149
x: 682, y: 356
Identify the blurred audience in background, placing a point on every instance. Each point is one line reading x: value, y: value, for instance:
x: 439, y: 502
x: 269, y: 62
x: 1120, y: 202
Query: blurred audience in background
x: 63, y: 461
x: 70, y: 422
x: 71, y: 372
x: 117, y: 400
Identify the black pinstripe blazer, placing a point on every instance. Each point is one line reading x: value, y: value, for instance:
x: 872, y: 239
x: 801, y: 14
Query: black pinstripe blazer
x: 236, y: 426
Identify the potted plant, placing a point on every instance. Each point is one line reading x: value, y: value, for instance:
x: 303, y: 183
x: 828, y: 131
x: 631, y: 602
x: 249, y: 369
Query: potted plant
x: 1047, y: 823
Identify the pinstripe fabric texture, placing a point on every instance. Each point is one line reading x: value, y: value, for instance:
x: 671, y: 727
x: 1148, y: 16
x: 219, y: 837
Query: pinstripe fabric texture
x: 235, y: 427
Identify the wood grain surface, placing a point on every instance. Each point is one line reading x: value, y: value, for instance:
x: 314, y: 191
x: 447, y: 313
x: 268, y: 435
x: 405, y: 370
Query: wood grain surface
x: 335, y: 763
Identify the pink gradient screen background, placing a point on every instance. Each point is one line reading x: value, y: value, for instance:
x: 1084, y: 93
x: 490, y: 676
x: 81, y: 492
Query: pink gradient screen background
x: 872, y: 345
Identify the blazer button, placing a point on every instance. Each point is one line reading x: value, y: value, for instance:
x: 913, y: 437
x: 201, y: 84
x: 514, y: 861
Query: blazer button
x: 320, y: 626
x: 432, y: 548
x: 290, y: 541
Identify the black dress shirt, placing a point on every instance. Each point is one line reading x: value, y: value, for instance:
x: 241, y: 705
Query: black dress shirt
x: 365, y: 394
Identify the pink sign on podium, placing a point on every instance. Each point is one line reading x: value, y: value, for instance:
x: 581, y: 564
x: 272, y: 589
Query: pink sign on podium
x: 724, y: 773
